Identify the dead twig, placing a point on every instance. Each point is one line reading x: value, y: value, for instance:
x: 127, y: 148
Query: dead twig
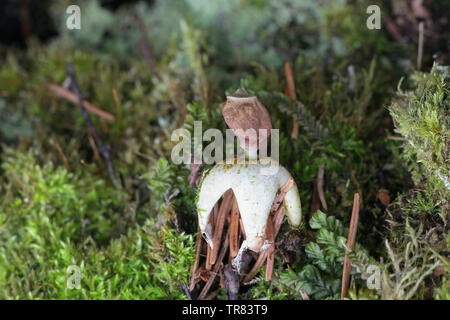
x: 291, y: 93
x: 304, y: 294
x: 274, y: 224
x: 219, y: 224
x: 280, y: 195
x: 61, y: 153
x: 195, y: 278
x: 277, y: 221
x: 212, y: 221
x: 420, y: 47
x: 145, y: 46
x: 258, y: 264
x: 118, y: 106
x: 315, y: 201
x: 186, y: 291
x: 270, y: 235
x: 262, y: 257
x: 217, y: 266
x: 234, y: 230
x: 396, y: 138
x: 194, y: 267
x: 96, y: 153
x: 350, y: 243
x: 241, y: 227
x: 69, y: 96
x: 320, y: 174
x: 318, y: 196
x: 208, y: 264
x: 73, y: 86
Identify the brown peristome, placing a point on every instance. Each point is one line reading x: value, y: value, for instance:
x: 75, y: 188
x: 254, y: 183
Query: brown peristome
x: 244, y: 111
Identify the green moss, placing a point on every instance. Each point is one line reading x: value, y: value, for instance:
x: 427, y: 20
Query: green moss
x: 421, y: 116
x: 52, y: 219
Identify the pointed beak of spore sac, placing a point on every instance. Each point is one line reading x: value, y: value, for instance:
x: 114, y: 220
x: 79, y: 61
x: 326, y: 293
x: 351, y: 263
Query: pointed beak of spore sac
x: 254, y: 193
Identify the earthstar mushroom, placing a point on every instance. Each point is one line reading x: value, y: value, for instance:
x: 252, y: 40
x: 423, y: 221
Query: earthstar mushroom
x: 254, y: 187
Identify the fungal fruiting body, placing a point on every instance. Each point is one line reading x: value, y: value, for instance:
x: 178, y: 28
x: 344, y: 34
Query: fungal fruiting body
x: 254, y: 193
x: 243, y: 111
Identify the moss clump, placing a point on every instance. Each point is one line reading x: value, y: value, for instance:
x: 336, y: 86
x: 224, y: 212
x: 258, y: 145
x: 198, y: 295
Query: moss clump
x: 421, y: 115
x: 52, y: 219
x: 419, y: 225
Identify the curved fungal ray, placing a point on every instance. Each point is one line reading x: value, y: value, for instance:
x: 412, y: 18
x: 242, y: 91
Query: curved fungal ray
x: 254, y: 192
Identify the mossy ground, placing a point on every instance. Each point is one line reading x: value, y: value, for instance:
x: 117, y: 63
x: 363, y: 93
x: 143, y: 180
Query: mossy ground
x: 137, y: 241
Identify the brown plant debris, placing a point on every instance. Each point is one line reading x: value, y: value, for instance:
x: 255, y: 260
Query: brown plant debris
x: 350, y: 243
x: 228, y: 235
x: 105, y: 150
x: 290, y: 88
x: 72, y: 97
x: 61, y: 153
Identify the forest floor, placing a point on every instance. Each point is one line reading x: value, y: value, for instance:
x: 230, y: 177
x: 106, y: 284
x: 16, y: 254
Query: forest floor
x: 88, y: 185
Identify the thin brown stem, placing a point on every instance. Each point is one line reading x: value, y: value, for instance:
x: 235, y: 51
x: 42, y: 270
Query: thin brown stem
x: 234, y: 230
x: 270, y: 235
x: 320, y: 175
x: 219, y: 224
x: 70, y: 96
x: 63, y: 156
x: 350, y: 243
x: 145, y: 46
x: 217, y: 266
x: 420, y: 47
x: 291, y: 93
x: 73, y: 86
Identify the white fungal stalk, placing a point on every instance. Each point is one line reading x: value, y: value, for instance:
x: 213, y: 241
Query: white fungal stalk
x: 254, y: 192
